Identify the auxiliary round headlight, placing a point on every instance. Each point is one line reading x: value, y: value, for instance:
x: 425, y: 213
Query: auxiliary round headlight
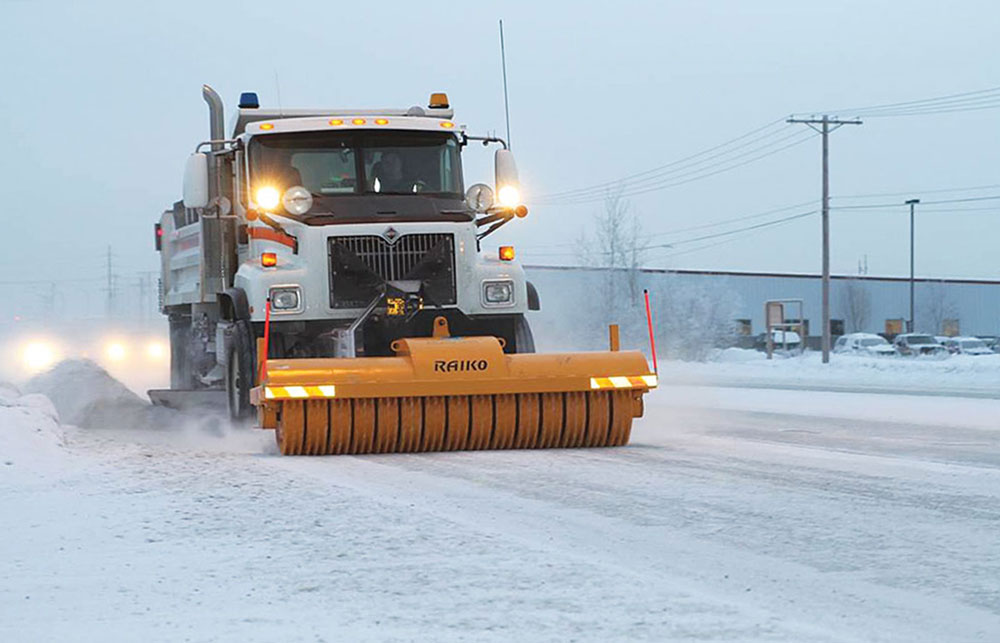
x: 297, y: 200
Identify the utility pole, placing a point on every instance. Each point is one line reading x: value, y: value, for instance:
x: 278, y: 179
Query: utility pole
x: 825, y: 130
x: 911, y: 203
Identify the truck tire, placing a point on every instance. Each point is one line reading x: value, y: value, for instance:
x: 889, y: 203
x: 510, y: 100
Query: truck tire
x: 181, y: 378
x: 524, y: 341
x: 240, y: 371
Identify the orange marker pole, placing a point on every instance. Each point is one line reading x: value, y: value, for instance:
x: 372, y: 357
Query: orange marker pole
x: 267, y: 335
x: 652, y: 339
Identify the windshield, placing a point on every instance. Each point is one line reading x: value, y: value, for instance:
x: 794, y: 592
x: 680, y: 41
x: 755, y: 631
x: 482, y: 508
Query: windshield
x: 873, y: 341
x: 973, y: 343
x: 351, y: 163
x: 919, y: 339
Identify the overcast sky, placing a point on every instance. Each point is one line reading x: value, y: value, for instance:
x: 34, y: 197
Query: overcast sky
x: 101, y: 104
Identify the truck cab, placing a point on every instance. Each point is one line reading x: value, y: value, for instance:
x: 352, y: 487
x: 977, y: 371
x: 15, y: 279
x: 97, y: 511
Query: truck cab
x: 342, y: 231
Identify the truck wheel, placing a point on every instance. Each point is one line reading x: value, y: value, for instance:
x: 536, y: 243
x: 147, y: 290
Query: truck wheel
x: 523, y: 339
x: 240, y: 371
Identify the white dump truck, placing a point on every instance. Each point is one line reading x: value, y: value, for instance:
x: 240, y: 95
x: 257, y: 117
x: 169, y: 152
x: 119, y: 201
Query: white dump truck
x: 307, y: 239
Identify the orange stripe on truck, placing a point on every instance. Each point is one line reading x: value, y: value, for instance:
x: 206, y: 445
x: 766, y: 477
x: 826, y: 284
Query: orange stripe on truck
x: 267, y: 234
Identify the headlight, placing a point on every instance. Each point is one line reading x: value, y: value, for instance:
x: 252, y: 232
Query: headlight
x: 115, y: 351
x: 285, y: 299
x: 268, y: 198
x: 156, y: 350
x: 498, y: 293
x: 39, y: 355
x: 509, y: 196
x: 297, y: 200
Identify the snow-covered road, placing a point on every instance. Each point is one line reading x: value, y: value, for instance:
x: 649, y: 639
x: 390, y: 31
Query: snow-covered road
x: 735, y: 515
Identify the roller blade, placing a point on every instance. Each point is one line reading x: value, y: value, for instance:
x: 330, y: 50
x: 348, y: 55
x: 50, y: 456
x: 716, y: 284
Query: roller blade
x: 503, y: 421
x: 447, y: 394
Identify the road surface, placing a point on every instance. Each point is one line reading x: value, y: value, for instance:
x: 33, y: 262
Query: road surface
x: 734, y: 515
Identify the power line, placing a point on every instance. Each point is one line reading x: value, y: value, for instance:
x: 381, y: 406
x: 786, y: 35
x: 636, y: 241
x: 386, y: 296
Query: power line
x: 631, y: 177
x: 703, y: 226
x: 979, y: 99
x: 993, y: 105
x: 699, y: 174
x: 876, y: 206
x: 909, y: 192
x: 716, y: 235
x: 719, y: 243
x: 733, y: 220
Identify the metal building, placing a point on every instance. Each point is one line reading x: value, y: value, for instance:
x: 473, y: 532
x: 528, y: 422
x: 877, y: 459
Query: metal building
x: 858, y: 303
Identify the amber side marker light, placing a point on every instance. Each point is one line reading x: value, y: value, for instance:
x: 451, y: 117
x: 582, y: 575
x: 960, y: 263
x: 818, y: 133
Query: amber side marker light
x: 506, y: 253
x: 269, y: 260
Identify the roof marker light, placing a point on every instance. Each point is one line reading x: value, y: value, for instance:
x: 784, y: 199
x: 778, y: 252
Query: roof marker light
x: 267, y: 126
x: 381, y: 121
x: 336, y: 121
x: 358, y: 121
x: 447, y: 124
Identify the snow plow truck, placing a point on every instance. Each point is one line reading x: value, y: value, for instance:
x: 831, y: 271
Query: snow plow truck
x: 324, y: 272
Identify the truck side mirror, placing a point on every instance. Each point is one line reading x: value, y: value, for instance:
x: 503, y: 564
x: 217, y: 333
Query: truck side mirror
x: 196, y: 181
x: 508, y: 187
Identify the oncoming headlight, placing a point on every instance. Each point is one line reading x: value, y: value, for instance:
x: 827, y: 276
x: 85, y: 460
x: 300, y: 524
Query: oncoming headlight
x: 498, y: 293
x: 286, y: 299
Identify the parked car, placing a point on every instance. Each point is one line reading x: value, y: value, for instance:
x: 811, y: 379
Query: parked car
x: 967, y: 346
x: 781, y: 339
x: 914, y: 344
x: 992, y: 342
x: 863, y: 344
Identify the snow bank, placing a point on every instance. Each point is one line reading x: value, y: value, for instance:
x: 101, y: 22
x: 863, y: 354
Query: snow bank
x: 86, y: 396
x: 29, y: 428
x: 738, y: 355
x: 977, y: 373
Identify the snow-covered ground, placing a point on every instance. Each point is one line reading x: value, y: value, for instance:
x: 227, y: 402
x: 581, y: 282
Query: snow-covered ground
x: 965, y: 375
x: 735, y: 515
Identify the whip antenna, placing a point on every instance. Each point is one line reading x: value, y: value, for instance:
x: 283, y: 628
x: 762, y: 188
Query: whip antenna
x: 503, y: 65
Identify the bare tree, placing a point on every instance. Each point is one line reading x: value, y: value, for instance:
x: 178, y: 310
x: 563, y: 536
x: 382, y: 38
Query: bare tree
x: 856, y: 305
x: 938, y: 306
x: 693, y: 319
x: 617, y: 248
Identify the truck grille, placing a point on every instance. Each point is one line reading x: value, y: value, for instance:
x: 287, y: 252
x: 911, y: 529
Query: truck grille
x: 360, y: 264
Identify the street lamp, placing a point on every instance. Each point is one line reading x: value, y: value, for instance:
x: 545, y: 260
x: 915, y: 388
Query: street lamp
x: 911, y: 203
